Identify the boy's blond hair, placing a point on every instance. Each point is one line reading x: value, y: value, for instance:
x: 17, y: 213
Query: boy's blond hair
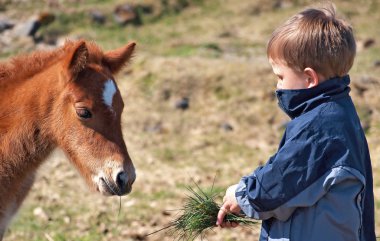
x: 315, y: 38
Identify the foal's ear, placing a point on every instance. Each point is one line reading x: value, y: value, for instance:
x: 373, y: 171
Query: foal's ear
x: 76, y: 58
x: 116, y: 59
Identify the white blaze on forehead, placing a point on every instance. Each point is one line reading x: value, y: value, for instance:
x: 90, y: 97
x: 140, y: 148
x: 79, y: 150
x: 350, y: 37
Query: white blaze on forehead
x: 109, y: 92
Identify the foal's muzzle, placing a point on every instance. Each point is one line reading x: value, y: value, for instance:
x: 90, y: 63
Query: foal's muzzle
x: 118, y: 184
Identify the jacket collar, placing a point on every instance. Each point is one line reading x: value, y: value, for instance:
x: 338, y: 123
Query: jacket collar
x: 296, y: 102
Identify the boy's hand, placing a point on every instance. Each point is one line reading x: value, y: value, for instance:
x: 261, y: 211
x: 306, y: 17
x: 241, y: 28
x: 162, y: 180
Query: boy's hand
x: 230, y: 205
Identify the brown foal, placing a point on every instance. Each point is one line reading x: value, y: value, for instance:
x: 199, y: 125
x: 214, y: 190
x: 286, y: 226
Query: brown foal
x: 65, y: 98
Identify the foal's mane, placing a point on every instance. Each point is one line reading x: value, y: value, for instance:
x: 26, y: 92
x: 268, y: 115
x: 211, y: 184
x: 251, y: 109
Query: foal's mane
x: 26, y: 65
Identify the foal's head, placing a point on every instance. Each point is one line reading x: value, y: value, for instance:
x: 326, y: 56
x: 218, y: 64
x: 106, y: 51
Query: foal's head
x: 87, y: 116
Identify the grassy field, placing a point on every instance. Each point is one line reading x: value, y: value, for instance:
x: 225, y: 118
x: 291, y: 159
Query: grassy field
x: 212, y: 52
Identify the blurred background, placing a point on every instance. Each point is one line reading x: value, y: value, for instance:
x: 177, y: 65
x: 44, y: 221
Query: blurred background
x: 200, y: 105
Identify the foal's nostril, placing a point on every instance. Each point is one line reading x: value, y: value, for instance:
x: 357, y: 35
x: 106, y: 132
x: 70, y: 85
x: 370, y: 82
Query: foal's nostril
x: 121, y: 179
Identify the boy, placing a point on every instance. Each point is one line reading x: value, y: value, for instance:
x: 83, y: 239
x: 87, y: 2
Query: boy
x: 318, y: 186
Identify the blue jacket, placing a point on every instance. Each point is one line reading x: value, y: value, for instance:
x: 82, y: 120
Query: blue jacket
x: 318, y: 186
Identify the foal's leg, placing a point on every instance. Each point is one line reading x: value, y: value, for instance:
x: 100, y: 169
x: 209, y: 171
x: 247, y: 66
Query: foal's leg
x: 10, y: 210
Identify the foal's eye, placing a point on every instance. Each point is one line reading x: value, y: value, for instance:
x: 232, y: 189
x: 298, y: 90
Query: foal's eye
x: 83, y: 113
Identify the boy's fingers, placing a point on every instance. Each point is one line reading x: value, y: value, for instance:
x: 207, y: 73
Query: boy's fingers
x: 219, y: 220
x: 229, y: 224
x: 234, y: 225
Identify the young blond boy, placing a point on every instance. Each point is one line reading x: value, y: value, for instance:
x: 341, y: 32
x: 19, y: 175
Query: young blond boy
x: 318, y: 186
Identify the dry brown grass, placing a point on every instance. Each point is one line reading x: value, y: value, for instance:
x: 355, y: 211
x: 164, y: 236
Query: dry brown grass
x: 214, y: 55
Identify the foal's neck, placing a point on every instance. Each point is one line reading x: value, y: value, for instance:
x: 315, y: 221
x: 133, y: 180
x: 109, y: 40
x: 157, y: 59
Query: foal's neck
x: 24, y: 111
x: 24, y: 138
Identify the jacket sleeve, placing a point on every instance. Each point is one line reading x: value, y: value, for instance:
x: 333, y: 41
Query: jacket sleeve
x: 294, y: 177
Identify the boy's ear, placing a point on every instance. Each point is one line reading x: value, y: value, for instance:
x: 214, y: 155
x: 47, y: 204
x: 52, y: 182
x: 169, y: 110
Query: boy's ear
x: 116, y: 59
x: 312, y: 77
x: 76, y: 59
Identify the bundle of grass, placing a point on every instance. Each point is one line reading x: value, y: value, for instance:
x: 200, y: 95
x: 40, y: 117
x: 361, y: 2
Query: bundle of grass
x: 199, y: 215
